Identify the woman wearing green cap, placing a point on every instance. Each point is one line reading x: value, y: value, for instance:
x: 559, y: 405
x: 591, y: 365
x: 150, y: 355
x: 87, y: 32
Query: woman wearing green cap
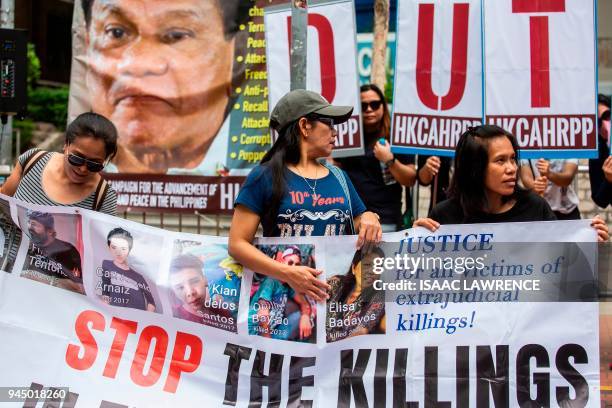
x: 292, y: 193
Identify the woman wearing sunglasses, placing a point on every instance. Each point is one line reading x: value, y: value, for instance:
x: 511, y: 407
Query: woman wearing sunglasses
x: 292, y: 193
x: 379, y: 175
x: 71, y: 178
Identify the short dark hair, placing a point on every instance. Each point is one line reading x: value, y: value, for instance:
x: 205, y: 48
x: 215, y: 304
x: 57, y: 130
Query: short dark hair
x: 234, y: 13
x: 94, y: 125
x: 120, y: 233
x: 467, y: 184
x: 603, y: 100
x: 186, y: 261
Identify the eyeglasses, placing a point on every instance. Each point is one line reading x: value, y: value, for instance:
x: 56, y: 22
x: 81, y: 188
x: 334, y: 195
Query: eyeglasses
x: 327, y: 121
x: 78, y: 161
x: 374, y: 105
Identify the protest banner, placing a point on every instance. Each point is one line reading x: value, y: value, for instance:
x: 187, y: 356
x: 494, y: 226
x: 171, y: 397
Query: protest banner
x: 508, y: 64
x: 331, y: 62
x: 541, y: 75
x: 438, y: 83
x: 169, y: 319
x: 189, y: 97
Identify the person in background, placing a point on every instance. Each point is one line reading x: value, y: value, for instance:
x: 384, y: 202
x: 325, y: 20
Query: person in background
x: 71, y: 178
x: 600, y: 169
x: 292, y: 193
x: 485, y: 189
x: 378, y: 175
x: 553, y: 180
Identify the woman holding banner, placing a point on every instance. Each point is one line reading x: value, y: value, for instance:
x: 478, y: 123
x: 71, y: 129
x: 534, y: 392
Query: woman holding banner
x: 292, y: 193
x: 379, y: 175
x: 484, y: 186
x: 71, y: 178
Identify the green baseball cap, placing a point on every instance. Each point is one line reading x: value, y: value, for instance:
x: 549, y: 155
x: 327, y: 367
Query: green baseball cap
x: 301, y: 102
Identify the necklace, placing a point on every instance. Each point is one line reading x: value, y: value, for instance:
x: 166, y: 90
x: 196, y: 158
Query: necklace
x: 313, y: 188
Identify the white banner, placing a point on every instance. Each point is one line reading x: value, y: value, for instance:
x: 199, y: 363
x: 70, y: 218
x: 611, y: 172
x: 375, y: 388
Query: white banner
x: 438, y: 85
x: 113, y: 312
x: 331, y: 62
x: 541, y: 81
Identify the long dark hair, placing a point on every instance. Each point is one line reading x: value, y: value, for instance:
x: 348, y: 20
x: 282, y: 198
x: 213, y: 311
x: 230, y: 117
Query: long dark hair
x: 385, y: 125
x: 467, y: 184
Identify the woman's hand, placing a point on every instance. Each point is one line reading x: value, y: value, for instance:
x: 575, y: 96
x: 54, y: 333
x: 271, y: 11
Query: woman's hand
x: 303, y: 280
x: 539, y: 185
x: 543, y: 167
x: 432, y: 166
x: 601, y: 228
x: 428, y: 223
x: 383, y: 152
x: 305, y: 326
x: 370, y: 231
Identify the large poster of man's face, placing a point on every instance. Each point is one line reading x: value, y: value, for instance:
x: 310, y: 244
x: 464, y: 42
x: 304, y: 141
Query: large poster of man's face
x: 125, y: 266
x: 204, y: 283
x: 10, y: 237
x: 169, y: 75
x: 55, y: 251
x: 275, y: 309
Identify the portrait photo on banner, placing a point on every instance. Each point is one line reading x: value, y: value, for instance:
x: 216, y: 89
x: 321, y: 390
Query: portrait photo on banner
x: 10, y: 237
x: 125, y: 266
x: 55, y: 251
x: 204, y: 284
x: 275, y: 309
x: 354, y: 307
x: 165, y: 73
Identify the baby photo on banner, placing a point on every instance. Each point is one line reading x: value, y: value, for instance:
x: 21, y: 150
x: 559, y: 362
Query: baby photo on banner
x: 55, y: 250
x: 126, y: 265
x: 276, y: 310
x: 10, y: 237
x: 204, y: 283
x: 354, y: 307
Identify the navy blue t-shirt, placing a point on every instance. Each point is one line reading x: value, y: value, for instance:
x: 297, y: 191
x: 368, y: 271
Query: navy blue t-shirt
x: 302, y: 213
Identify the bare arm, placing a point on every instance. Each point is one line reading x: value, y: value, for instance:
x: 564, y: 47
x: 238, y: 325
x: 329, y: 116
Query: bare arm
x: 10, y: 185
x: 527, y: 177
x: 431, y: 168
x: 242, y: 231
x: 405, y: 174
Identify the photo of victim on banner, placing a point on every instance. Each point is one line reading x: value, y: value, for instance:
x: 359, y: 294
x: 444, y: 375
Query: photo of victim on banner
x: 55, y: 251
x: 204, y: 284
x: 125, y: 266
x: 10, y: 237
x: 354, y: 307
x: 276, y: 310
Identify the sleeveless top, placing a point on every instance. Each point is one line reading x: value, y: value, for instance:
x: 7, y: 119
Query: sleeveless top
x: 30, y: 188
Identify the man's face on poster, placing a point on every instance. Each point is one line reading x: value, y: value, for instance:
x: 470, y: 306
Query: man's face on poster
x: 191, y: 288
x: 38, y: 232
x: 161, y: 71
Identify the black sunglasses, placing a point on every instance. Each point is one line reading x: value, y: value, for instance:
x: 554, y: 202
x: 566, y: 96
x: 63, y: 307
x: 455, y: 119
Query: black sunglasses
x: 374, y: 105
x: 78, y: 161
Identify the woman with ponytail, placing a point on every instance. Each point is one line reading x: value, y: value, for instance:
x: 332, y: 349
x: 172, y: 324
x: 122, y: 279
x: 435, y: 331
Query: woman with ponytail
x: 293, y: 193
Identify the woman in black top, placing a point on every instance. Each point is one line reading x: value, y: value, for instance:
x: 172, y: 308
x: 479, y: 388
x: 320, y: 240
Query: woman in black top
x: 484, y: 186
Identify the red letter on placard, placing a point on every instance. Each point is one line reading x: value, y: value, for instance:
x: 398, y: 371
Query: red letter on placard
x: 123, y: 328
x: 90, y: 347
x: 180, y: 362
x: 461, y: 14
x: 539, y: 46
x: 142, y: 350
x: 327, y: 56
